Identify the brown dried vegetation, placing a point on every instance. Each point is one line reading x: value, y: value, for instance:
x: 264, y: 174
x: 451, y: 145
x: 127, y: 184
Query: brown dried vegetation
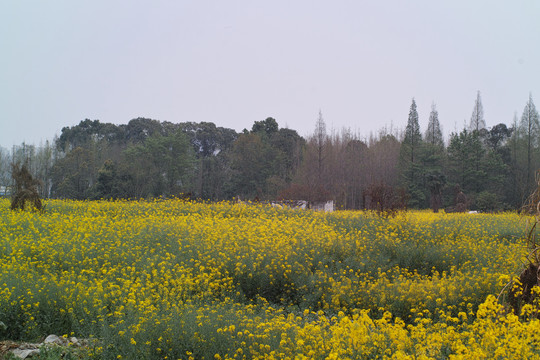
x: 521, y: 291
x: 385, y: 200
x: 25, y: 189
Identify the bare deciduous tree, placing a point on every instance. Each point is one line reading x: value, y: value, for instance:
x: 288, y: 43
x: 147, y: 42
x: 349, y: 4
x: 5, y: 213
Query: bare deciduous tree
x: 477, y: 118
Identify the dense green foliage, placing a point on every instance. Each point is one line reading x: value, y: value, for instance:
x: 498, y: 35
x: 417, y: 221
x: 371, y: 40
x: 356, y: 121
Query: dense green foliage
x: 494, y: 168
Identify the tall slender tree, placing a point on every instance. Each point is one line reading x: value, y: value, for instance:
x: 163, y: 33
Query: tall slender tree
x: 410, y: 158
x: 412, y: 132
x: 317, y: 172
x: 529, y: 128
x: 477, y: 118
x: 320, y: 141
x: 433, y: 133
x: 513, y: 181
x: 477, y: 129
x: 432, y: 159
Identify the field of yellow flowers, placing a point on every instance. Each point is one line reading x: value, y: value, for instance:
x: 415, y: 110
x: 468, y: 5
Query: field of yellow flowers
x: 179, y: 280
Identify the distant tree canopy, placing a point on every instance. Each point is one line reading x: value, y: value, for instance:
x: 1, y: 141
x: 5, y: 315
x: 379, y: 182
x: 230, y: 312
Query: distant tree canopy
x: 494, y: 167
x: 264, y: 160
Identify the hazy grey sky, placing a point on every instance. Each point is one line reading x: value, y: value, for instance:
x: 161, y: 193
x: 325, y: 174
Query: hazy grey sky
x: 235, y: 62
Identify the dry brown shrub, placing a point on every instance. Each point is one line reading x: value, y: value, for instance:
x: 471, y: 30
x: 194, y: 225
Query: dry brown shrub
x: 25, y: 189
x: 385, y: 200
x: 521, y: 289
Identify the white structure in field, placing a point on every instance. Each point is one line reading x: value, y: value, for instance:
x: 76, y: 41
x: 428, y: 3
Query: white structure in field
x: 327, y: 206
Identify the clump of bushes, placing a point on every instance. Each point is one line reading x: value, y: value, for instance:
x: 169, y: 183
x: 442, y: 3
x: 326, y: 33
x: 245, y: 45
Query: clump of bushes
x: 25, y: 188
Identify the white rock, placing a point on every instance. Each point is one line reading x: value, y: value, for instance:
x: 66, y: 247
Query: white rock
x: 23, y: 354
x: 54, y: 339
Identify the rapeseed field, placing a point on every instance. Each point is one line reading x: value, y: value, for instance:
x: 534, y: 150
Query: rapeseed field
x: 171, y: 279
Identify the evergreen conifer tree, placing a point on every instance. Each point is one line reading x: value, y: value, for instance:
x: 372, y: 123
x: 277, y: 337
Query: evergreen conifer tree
x: 412, y: 179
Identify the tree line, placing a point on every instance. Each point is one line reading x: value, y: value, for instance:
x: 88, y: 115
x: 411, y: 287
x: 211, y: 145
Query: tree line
x: 492, y: 168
